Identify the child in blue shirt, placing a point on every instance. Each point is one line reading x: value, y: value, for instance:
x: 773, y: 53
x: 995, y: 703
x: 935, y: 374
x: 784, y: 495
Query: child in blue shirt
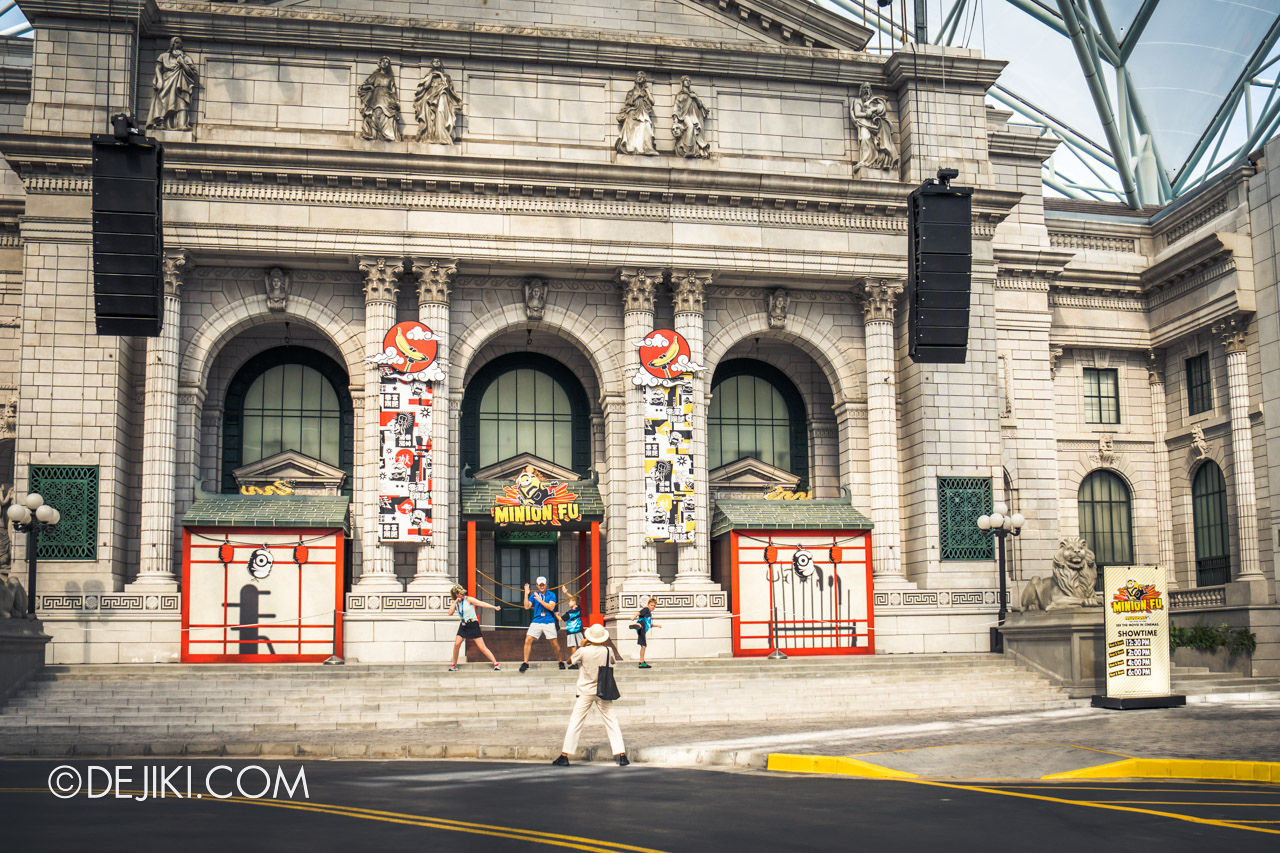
x: 573, y: 626
x: 642, y: 625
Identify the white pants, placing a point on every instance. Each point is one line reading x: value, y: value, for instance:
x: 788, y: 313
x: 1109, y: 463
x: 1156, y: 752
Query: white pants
x: 579, y: 716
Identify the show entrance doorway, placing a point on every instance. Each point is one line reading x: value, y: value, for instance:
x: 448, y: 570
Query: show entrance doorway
x: 521, y: 558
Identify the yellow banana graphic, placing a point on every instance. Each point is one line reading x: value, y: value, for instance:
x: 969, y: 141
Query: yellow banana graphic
x: 667, y: 357
x: 407, y: 348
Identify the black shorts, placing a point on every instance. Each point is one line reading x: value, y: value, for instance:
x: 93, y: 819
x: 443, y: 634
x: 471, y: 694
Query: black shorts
x: 469, y: 630
x: 640, y: 634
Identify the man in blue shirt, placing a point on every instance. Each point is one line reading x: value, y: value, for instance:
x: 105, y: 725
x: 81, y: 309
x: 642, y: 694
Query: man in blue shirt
x: 543, y: 603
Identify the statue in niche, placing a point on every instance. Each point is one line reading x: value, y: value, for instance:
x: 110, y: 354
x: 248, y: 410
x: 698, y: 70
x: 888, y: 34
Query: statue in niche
x: 779, y: 301
x: 436, y: 106
x: 172, y: 89
x: 876, y: 148
x: 535, y: 298
x: 277, y: 284
x: 380, y: 104
x: 689, y: 123
x: 635, y: 120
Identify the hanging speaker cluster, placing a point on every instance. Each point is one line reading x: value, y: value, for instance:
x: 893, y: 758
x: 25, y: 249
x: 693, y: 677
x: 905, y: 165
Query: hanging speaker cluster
x: 940, y: 259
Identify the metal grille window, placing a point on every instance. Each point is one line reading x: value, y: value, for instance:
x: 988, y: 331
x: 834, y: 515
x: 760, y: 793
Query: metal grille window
x: 73, y: 491
x: 1209, y: 511
x: 526, y: 411
x: 960, y: 501
x: 1106, y: 520
x: 1101, y: 396
x: 1199, y: 385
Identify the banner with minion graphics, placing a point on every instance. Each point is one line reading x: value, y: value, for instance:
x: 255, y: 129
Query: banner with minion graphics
x: 666, y: 380
x: 409, y: 374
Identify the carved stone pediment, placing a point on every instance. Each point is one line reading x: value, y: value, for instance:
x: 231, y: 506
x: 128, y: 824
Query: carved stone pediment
x: 306, y: 476
x: 507, y: 469
x: 751, y: 475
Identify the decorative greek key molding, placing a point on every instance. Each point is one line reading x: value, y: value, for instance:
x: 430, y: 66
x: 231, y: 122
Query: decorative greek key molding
x: 629, y: 602
x: 915, y: 600
x: 878, y: 298
x: 689, y: 289
x: 380, y: 279
x: 435, y: 277
x: 373, y: 603
x: 638, y: 289
x: 111, y: 604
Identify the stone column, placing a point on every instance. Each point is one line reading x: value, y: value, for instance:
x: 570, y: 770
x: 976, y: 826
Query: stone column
x: 1164, y: 499
x: 378, y: 573
x: 688, y: 287
x: 1234, y: 334
x: 159, y: 436
x: 435, y: 279
x: 637, y: 321
x: 878, y: 296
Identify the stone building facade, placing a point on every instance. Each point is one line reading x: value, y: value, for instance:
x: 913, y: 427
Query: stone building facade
x: 306, y: 210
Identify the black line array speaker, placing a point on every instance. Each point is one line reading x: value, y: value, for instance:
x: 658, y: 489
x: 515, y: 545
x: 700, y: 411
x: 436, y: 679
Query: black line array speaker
x: 128, y: 236
x: 939, y: 262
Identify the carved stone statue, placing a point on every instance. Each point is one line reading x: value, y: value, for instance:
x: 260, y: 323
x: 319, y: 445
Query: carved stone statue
x: 13, y: 598
x: 6, y: 544
x: 1106, y: 455
x: 9, y: 425
x: 779, y: 301
x: 436, y: 106
x: 1074, y: 576
x: 1198, y: 443
x: 689, y: 123
x: 636, y: 120
x: 535, y: 298
x: 876, y: 148
x: 380, y: 104
x: 172, y: 88
x: 277, y: 284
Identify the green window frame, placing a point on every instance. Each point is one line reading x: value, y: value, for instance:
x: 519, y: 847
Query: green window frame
x: 1212, y: 533
x: 960, y: 501
x: 1101, y: 395
x: 1106, y: 518
x: 73, y: 491
x: 1199, y: 384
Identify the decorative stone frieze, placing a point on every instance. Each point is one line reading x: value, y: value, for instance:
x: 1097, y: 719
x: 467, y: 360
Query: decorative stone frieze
x: 381, y: 279
x: 638, y: 289
x: 689, y: 287
x: 779, y: 300
x: 435, y: 279
x: 535, y: 298
x: 878, y: 298
x: 277, y: 284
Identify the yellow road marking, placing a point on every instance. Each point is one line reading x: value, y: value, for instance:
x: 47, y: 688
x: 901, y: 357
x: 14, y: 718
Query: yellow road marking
x: 1227, y: 786
x: 548, y: 838
x: 949, y: 745
x: 1177, y: 768
x: 826, y: 764
x: 1188, y: 803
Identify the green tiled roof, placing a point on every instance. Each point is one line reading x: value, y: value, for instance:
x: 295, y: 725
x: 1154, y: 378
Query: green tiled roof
x: 478, y: 497
x: 742, y: 514
x: 267, y: 511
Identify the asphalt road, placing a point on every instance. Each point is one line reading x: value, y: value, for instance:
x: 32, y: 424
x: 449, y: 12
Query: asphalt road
x: 490, y: 806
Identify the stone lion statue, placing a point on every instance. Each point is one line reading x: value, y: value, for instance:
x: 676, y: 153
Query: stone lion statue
x: 13, y: 598
x: 1074, y: 576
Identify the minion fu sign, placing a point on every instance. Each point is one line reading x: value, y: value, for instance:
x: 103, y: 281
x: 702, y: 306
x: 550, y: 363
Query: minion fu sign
x: 535, y: 502
x: 1137, y: 639
x: 666, y: 380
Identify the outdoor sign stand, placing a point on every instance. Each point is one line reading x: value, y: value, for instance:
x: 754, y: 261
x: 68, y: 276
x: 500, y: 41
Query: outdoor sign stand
x: 1137, y: 645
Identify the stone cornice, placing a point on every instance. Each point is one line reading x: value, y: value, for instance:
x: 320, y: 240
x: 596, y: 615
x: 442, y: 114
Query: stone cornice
x: 1209, y: 251
x: 1210, y: 201
x: 956, y: 67
x: 1006, y: 144
x: 1031, y: 263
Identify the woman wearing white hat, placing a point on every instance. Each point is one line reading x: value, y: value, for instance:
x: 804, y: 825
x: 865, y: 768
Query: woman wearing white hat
x: 590, y: 656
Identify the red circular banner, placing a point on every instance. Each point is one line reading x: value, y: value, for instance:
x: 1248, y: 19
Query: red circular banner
x: 409, y: 347
x: 664, y: 353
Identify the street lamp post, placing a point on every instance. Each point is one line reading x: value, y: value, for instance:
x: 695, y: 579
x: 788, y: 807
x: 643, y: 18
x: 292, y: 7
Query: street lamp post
x: 1000, y: 524
x: 30, y: 516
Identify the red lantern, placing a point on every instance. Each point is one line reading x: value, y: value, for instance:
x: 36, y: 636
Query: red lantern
x: 771, y: 554
x: 837, y: 554
x: 300, y: 554
x: 226, y: 551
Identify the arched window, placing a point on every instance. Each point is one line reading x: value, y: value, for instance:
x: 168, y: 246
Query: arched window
x: 756, y: 411
x: 525, y: 403
x: 287, y: 398
x: 1209, y: 511
x: 1106, y: 519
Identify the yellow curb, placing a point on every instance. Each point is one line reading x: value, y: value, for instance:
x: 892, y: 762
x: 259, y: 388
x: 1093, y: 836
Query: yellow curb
x: 1177, y: 768
x: 832, y: 764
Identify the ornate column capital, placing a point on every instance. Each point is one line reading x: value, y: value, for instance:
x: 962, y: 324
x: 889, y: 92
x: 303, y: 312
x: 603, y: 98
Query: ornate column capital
x: 878, y: 297
x: 1234, y: 332
x: 381, y: 279
x: 638, y: 288
x: 1155, y: 366
x: 689, y: 287
x: 173, y: 266
x: 435, y: 279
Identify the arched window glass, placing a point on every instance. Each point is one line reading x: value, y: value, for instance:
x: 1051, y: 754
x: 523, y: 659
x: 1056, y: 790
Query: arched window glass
x: 1106, y: 519
x: 525, y: 411
x: 291, y: 407
x: 756, y: 412
x: 1209, y: 511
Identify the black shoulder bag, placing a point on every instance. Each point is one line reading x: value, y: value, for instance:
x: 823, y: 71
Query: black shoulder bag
x: 606, y: 684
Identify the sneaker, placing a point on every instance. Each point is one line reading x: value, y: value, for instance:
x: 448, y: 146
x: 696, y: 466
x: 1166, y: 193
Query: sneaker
x: 562, y: 665
x: 573, y: 666
x: 524, y: 667
x: 622, y: 760
x: 497, y: 668
x: 645, y: 666
x: 453, y: 668
x: 562, y: 761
